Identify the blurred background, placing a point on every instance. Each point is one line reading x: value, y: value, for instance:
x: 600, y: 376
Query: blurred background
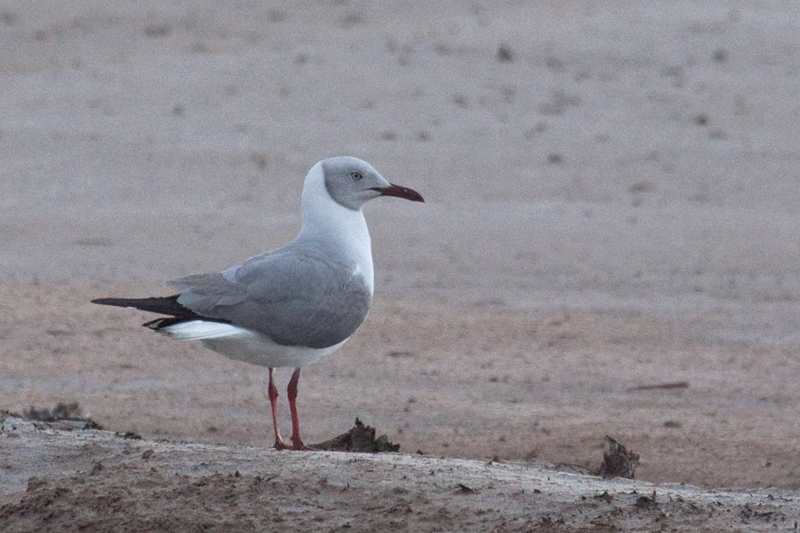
x: 608, y: 244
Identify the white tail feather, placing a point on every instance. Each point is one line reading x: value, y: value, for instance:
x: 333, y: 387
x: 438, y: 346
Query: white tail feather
x: 197, y: 330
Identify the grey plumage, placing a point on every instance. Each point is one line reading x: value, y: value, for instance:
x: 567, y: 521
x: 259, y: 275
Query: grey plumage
x: 291, y: 306
x: 314, y: 292
x: 294, y: 297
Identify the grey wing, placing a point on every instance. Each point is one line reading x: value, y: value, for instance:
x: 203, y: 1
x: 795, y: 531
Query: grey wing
x: 203, y: 292
x: 294, y: 299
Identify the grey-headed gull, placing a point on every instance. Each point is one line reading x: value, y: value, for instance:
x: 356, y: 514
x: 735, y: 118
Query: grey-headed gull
x: 293, y: 305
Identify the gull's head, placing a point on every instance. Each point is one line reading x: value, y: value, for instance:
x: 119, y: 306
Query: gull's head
x: 352, y: 182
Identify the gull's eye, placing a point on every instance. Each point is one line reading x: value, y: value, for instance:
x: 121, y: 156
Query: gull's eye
x: 356, y: 176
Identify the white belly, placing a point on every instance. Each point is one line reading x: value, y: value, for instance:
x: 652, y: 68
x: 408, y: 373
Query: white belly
x: 245, y: 345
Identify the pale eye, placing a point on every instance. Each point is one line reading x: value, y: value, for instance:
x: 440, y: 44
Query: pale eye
x: 356, y: 176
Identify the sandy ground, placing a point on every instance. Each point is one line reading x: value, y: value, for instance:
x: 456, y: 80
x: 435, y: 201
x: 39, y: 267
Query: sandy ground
x: 612, y: 206
x: 135, y: 485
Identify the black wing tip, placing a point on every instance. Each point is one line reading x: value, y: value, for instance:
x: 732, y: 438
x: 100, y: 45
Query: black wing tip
x: 165, y: 305
x: 160, y: 323
x: 106, y: 301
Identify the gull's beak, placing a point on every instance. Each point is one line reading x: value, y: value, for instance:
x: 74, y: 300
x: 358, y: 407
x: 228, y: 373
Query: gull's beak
x: 400, y: 192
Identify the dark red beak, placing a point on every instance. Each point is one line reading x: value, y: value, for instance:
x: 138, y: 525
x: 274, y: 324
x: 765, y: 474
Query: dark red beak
x: 400, y: 192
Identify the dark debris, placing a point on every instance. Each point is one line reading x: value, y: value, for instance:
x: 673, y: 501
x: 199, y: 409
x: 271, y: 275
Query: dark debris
x: 63, y: 412
x: 360, y: 438
x: 618, y: 462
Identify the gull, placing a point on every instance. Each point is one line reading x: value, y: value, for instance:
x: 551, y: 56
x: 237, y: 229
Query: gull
x: 290, y: 306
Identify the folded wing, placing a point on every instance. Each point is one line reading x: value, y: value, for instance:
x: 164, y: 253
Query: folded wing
x: 295, y: 299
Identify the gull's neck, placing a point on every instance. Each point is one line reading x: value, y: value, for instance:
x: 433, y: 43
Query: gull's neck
x: 338, y: 230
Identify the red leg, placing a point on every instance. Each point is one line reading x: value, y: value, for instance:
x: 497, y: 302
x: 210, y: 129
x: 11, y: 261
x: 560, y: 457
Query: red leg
x: 273, y: 401
x: 292, y: 393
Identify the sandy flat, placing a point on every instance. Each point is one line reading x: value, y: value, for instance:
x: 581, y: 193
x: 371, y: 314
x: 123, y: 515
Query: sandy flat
x: 608, y: 245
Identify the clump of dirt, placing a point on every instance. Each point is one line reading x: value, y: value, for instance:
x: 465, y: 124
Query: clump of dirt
x: 618, y: 462
x: 661, y: 386
x: 128, y: 435
x: 65, y: 415
x: 360, y: 438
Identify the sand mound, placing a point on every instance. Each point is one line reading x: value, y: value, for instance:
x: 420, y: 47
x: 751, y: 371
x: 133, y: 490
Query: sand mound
x: 90, y: 480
